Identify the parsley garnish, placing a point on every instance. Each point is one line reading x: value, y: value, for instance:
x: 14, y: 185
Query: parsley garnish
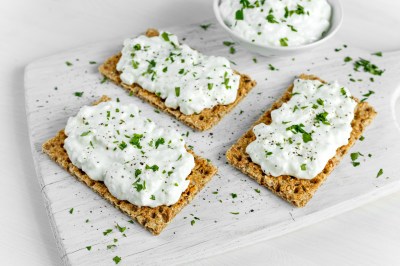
x: 139, y: 187
x: 117, y: 259
x: 292, y: 28
x: 122, y: 145
x: 89, y: 248
x: 135, y: 140
x: 378, y: 54
x: 271, y: 18
x: 103, y: 80
x: 367, y: 95
x: 210, y: 86
x: 367, y: 66
x: 107, y: 232
x: 159, y: 142
x: 111, y: 246
x: 234, y: 213
x: 71, y: 210
x: 165, y: 36
x: 343, y: 91
x: 137, y: 172
x: 268, y: 153
x: 321, y: 117
x: 303, y: 167
x: 92, y: 62
x: 85, y: 133
x: 227, y: 43
x: 257, y: 190
x: 239, y: 14
x: 232, y: 50
x: 380, y: 173
x: 298, y: 11
x: 234, y: 195
x: 120, y: 228
x: 78, y: 94
x: 205, y: 26
x: 299, y: 129
x: 153, y: 167
x: 283, y: 41
x: 348, y: 59
x: 68, y: 63
x: 137, y: 46
x: 177, y: 91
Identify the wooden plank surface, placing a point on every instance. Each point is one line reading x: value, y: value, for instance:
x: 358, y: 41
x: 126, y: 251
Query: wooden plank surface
x: 261, y: 216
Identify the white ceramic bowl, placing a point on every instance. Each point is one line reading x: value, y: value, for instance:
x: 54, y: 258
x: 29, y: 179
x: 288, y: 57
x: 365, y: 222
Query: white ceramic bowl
x: 268, y: 50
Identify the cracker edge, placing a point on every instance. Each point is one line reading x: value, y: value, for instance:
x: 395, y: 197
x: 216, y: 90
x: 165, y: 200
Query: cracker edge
x: 153, y: 219
x: 295, y: 190
x: 206, y: 119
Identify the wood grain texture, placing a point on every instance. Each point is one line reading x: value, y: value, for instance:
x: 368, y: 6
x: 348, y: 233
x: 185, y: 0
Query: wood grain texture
x: 223, y: 223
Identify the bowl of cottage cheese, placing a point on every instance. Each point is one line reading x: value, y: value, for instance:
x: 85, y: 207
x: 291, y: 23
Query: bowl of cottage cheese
x: 279, y: 27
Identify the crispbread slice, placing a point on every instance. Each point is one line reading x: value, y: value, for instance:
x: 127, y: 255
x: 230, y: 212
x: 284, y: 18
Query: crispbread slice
x: 295, y: 190
x: 153, y: 219
x: 202, y: 121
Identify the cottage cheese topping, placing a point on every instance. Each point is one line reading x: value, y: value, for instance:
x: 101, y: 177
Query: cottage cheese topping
x: 305, y: 132
x: 138, y: 161
x: 277, y: 22
x: 185, y: 78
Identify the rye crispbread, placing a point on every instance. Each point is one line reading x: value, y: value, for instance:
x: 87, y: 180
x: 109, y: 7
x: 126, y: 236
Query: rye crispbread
x: 153, y: 219
x: 295, y: 190
x: 202, y: 121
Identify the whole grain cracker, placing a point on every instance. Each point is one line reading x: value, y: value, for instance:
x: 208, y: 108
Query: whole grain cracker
x: 153, y: 219
x: 202, y: 121
x: 295, y: 190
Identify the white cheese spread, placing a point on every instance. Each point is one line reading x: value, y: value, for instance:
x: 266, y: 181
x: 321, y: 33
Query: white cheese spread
x: 305, y: 131
x: 277, y: 22
x: 185, y: 78
x: 137, y: 160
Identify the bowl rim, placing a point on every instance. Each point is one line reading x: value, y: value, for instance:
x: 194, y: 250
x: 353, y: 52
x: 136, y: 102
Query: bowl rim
x: 332, y: 31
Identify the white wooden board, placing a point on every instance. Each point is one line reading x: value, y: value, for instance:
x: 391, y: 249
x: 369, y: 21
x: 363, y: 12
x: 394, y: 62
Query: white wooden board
x: 49, y: 87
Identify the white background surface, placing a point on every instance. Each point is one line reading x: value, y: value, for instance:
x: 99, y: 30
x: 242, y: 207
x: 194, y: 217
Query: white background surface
x: 369, y: 235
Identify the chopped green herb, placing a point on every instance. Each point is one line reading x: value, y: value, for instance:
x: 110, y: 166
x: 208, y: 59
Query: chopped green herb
x: 271, y: 19
x: 192, y: 222
x: 165, y: 36
x: 71, y: 210
x: 78, y: 94
x: 135, y: 140
x: 152, y: 197
x: 121, y: 229
x: 354, y: 156
x: 68, y: 63
x: 254, y: 60
x: 355, y: 164
x: 107, y: 232
x: 137, y: 47
x: 283, y: 41
x: 89, y: 248
x: 122, y: 145
x: 234, y: 213
x: 139, y: 187
x: 153, y: 167
x: 367, y: 66
x: 321, y: 117
x: 111, y: 246
x: 320, y: 101
x: 103, y: 80
x: 227, y: 43
x: 268, y: 153
x: 159, y: 142
x: 117, y: 259
x: 292, y: 28
x: 210, y: 86
x: 137, y: 172
x: 303, y: 167
x: 343, y: 91
x: 379, y: 173
x: 348, y: 59
x: 367, y: 95
x: 232, y: 50
x: 92, y: 62
x: 165, y: 69
x: 239, y: 14
x: 378, y: 54
x: 85, y: 133
x: 361, y: 138
x: 234, y: 195
x: 299, y: 129
x: 257, y: 190
x: 272, y: 68
x: 177, y: 91
x: 205, y: 26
